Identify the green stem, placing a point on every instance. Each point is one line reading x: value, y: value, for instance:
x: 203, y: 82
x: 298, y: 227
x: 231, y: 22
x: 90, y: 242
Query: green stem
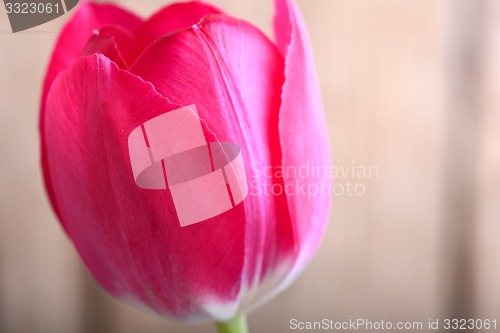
x: 236, y: 325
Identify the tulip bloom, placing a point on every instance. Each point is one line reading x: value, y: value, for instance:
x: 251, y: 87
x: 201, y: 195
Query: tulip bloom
x: 116, y: 82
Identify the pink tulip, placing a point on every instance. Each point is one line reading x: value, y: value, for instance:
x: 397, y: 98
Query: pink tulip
x: 111, y: 74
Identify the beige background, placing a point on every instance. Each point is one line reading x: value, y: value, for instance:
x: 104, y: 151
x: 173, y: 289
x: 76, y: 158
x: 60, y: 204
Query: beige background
x: 411, y: 87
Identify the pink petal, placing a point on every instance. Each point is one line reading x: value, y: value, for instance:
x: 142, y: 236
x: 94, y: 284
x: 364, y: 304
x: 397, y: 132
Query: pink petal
x: 303, y: 132
x: 233, y: 74
x: 115, y: 42
x: 130, y: 237
x: 76, y: 33
x: 171, y: 18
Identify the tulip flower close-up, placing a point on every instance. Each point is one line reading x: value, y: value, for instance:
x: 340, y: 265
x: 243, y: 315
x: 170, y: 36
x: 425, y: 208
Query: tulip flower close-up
x: 239, y: 166
x: 157, y: 141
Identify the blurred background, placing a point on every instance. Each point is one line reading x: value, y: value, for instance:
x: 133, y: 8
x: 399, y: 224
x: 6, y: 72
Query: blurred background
x: 411, y: 89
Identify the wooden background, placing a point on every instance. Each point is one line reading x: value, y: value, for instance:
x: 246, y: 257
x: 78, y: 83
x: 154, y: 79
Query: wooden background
x: 411, y: 87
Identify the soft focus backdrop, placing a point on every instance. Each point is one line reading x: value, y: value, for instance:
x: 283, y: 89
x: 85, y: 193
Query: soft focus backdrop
x: 411, y: 89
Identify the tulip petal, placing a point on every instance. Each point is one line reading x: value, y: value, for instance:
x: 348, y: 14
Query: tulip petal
x: 71, y: 42
x: 234, y: 74
x: 130, y: 237
x: 302, y: 112
x: 88, y: 17
x: 171, y: 18
x: 115, y: 42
